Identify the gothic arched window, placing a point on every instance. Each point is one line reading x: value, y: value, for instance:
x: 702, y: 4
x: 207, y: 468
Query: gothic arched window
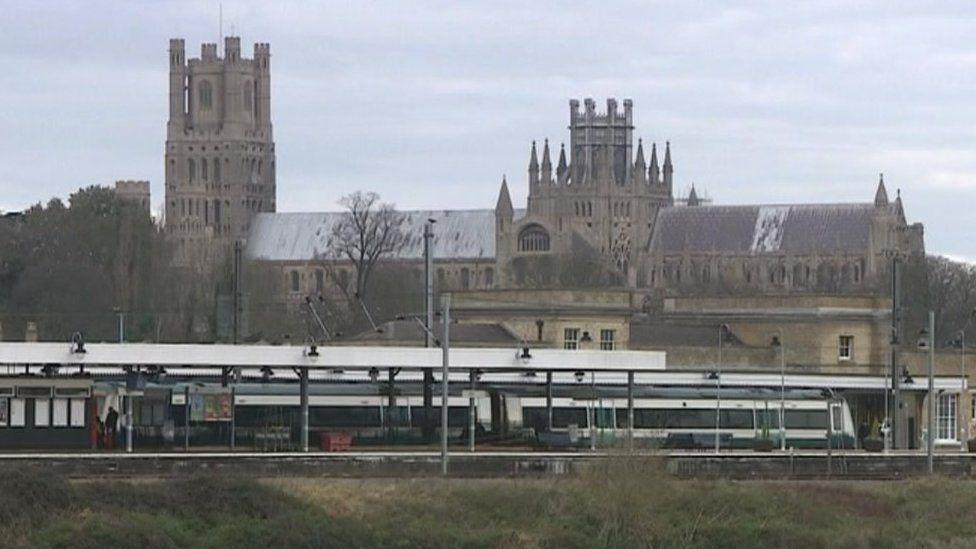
x: 191, y: 169
x: 205, y: 94
x: 294, y: 282
x: 248, y: 97
x: 798, y: 278
x: 216, y: 170
x: 533, y: 238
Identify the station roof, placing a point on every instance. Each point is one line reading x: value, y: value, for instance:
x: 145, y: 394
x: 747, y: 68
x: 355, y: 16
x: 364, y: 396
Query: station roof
x: 329, y: 357
x: 406, y: 332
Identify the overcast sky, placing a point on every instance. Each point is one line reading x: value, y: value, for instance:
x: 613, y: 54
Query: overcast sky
x: 429, y: 103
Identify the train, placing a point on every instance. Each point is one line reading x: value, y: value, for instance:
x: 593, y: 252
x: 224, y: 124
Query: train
x: 677, y: 418
x: 692, y: 418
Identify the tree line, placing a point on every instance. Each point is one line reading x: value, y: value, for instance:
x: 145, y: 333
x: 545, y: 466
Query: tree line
x: 77, y: 266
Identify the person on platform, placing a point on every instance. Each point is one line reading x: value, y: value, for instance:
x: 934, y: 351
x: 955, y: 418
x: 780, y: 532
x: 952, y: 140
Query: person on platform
x: 111, y: 427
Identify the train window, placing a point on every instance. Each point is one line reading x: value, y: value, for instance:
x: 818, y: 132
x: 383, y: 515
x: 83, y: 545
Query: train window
x: 736, y: 419
x: 690, y: 419
x: 768, y: 418
x: 649, y: 419
x: 417, y: 415
x: 4, y: 415
x: 344, y: 416
x: 603, y: 417
x: 564, y: 417
x: 622, y: 418
x: 398, y: 416
x: 806, y: 419
x: 457, y: 416
x: 535, y: 418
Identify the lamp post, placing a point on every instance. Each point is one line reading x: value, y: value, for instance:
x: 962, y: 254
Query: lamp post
x: 777, y: 343
x: 445, y: 371
x: 722, y: 331
x: 962, y: 373
x: 926, y: 341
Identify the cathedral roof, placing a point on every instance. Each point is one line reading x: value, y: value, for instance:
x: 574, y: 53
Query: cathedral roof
x: 795, y: 229
x: 458, y: 234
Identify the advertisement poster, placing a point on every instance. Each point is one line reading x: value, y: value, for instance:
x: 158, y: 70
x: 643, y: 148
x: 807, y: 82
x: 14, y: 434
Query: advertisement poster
x: 217, y: 407
x: 210, y: 407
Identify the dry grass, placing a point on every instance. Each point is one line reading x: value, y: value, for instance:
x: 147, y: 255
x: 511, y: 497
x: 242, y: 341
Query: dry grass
x: 623, y: 502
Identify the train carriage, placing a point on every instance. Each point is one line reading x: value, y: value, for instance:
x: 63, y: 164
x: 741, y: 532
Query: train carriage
x: 687, y: 418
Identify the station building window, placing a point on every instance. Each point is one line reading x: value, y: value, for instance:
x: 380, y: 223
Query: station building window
x: 571, y: 339
x: 845, y: 347
x: 295, y: 286
x: 18, y: 412
x: 42, y: 412
x: 945, y: 417
x: 607, y: 340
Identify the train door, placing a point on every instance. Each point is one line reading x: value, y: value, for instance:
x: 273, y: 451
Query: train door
x: 835, y: 434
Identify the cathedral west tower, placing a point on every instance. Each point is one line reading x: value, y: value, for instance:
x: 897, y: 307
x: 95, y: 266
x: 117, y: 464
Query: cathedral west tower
x: 220, y: 158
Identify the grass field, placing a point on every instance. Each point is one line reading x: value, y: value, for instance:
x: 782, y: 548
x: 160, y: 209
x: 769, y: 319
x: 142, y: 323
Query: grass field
x: 625, y: 503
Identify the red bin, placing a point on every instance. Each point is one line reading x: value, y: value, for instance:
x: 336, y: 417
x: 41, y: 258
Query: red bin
x: 333, y: 441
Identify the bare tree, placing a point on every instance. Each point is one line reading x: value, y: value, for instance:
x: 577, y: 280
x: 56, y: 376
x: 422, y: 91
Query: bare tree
x: 952, y: 295
x: 368, y: 231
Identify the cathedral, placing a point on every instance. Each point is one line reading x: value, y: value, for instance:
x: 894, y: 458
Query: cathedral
x: 603, y: 200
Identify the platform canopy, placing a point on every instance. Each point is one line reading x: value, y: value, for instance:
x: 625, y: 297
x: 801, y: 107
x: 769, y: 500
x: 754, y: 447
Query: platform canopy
x: 328, y: 357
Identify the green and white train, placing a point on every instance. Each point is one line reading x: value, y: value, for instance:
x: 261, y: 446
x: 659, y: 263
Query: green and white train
x: 691, y: 418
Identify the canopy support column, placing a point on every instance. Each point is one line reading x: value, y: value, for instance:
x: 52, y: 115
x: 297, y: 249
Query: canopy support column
x: 549, y: 401
x: 303, y: 400
x: 630, y: 409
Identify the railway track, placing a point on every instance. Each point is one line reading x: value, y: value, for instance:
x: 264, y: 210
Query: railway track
x: 806, y: 465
